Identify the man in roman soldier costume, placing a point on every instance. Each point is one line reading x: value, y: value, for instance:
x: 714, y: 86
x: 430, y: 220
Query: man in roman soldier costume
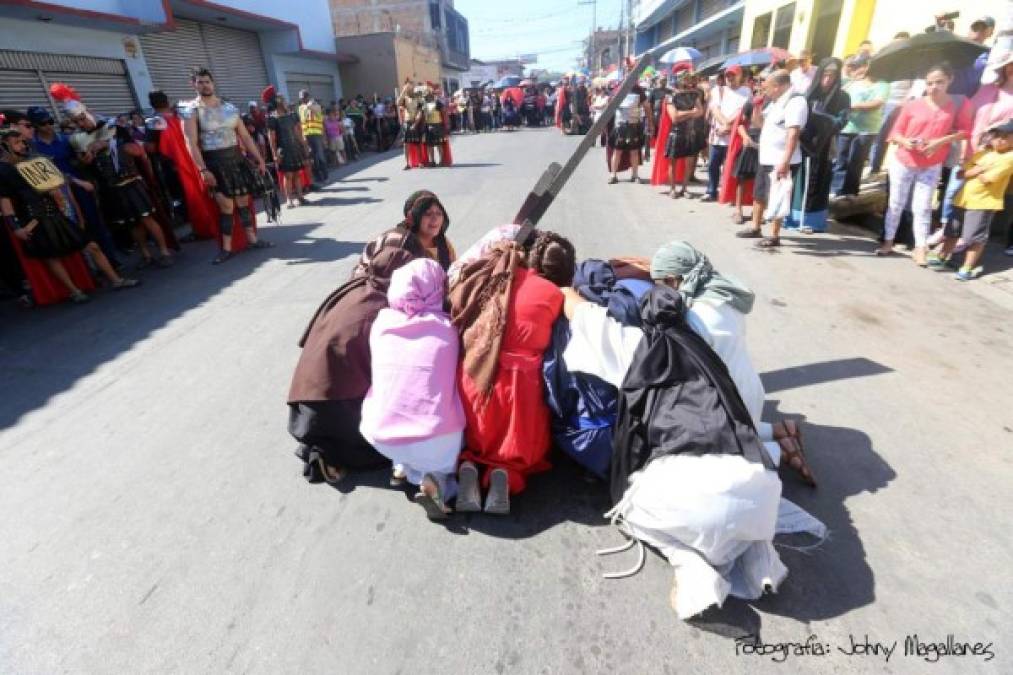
x: 626, y: 137
x: 115, y: 160
x: 580, y: 106
x: 165, y: 137
x: 213, y: 132
x: 35, y: 207
x: 409, y: 107
x: 436, y: 130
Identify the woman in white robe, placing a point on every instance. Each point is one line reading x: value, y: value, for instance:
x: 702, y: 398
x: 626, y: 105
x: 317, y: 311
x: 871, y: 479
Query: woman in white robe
x: 713, y: 517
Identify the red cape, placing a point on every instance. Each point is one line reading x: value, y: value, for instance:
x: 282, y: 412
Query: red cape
x: 46, y: 289
x: 560, y: 104
x: 515, y: 94
x: 199, y: 205
x: 729, y: 183
x: 446, y: 159
x: 661, y: 172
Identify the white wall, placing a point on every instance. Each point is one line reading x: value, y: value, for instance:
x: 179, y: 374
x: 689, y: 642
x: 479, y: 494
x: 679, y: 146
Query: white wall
x: 312, y: 16
x: 53, y: 38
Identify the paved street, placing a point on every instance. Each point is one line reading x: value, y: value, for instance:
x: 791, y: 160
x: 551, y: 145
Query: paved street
x: 155, y: 519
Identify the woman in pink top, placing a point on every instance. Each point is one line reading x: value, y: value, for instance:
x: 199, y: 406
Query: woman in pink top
x: 993, y: 102
x: 923, y: 132
x: 412, y: 412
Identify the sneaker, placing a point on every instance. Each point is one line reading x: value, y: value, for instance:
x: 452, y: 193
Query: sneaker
x: 497, y: 502
x: 968, y: 274
x: 469, y: 500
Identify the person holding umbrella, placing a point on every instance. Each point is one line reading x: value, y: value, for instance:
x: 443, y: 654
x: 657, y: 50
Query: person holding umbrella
x: 923, y: 132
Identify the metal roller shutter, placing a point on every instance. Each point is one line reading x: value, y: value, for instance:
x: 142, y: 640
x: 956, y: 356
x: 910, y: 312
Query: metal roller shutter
x: 25, y: 78
x: 232, y: 55
x: 103, y: 94
x: 239, y: 68
x: 172, y: 55
x: 20, y: 89
x: 321, y: 87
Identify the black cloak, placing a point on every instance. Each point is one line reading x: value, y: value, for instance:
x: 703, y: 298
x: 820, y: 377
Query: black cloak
x: 677, y: 397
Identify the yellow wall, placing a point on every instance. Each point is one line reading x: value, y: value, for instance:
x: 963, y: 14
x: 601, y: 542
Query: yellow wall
x: 876, y: 20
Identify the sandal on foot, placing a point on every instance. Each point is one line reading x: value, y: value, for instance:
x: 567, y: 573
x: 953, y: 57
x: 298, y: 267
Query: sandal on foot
x: 332, y: 475
x: 769, y: 242
x: 430, y: 498
x: 222, y: 256
x: 749, y: 233
x: 124, y: 282
x: 740, y: 220
x: 469, y: 500
x: 497, y: 502
x: 792, y: 455
x: 613, y: 180
x: 79, y: 297
x: 397, y: 476
x: 261, y: 243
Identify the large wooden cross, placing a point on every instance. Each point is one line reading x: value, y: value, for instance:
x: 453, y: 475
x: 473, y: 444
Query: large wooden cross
x: 554, y: 178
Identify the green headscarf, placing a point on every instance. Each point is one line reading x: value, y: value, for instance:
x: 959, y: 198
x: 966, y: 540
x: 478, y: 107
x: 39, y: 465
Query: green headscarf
x: 699, y: 278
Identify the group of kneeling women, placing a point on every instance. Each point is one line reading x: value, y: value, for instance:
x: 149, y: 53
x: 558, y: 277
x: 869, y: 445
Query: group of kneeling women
x: 636, y: 369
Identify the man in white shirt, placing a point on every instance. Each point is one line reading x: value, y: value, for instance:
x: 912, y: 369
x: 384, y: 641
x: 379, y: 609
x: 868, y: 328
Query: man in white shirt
x: 784, y: 118
x: 802, y: 76
x: 725, y: 104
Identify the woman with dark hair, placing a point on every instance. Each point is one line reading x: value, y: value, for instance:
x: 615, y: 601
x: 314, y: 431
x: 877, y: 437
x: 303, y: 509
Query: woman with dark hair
x: 504, y: 305
x: 427, y: 220
x: 923, y: 132
x: 688, y: 131
x: 334, y: 370
x: 288, y: 145
x: 810, y: 201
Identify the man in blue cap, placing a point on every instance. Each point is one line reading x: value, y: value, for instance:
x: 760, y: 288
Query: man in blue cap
x: 56, y: 146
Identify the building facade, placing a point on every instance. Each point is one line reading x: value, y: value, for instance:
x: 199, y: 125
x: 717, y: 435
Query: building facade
x: 837, y: 27
x: 712, y: 27
x: 430, y: 24
x: 114, y: 53
x: 602, y: 50
x: 384, y: 61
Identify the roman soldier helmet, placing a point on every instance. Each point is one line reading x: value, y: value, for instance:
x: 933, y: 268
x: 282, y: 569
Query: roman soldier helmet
x: 68, y: 99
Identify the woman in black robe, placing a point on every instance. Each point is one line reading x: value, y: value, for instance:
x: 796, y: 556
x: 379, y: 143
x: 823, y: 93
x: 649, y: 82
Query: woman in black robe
x: 677, y: 397
x: 811, y: 193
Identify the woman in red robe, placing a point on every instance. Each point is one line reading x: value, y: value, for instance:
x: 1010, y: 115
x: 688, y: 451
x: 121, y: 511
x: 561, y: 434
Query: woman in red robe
x: 505, y: 304
x: 737, y: 175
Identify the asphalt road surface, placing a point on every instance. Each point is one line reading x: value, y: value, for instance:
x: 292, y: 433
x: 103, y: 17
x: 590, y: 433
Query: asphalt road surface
x: 155, y: 519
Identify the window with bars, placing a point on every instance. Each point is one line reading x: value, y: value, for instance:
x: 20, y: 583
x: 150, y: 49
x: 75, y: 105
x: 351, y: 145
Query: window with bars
x: 782, y: 26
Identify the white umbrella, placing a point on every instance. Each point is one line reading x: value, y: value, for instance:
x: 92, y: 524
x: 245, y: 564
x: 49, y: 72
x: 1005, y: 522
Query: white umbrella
x: 680, y: 54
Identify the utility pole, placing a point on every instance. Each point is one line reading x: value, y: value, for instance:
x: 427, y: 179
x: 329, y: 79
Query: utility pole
x: 594, y: 27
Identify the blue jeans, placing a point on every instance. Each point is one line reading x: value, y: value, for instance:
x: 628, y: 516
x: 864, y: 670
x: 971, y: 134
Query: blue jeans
x: 952, y: 188
x: 714, y: 165
x: 852, y: 150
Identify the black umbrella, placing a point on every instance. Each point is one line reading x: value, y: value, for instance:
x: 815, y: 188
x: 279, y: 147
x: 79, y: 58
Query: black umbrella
x: 910, y: 59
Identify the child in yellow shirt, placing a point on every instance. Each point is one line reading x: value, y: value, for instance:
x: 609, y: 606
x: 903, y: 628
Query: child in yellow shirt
x: 977, y: 204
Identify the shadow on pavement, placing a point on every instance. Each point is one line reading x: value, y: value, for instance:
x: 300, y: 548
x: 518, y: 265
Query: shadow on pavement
x: 339, y: 201
x: 46, y: 350
x: 818, y: 373
x: 474, y: 165
x: 834, y: 578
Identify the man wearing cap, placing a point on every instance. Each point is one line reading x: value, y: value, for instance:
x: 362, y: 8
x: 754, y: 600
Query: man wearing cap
x: 725, y: 105
x: 56, y: 146
x: 867, y: 100
x: 311, y: 115
x: 967, y: 80
x: 803, y: 73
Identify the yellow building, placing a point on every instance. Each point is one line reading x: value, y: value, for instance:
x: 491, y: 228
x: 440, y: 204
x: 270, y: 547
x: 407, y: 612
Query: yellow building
x: 836, y: 27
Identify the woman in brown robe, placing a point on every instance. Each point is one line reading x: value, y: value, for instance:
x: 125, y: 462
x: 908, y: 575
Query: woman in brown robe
x: 333, y: 373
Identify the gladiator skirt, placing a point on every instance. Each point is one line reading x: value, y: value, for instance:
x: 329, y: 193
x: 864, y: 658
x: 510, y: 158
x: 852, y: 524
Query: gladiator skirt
x: 234, y: 175
x: 55, y: 236
x: 627, y: 136
x: 128, y: 203
x: 435, y: 134
x: 414, y: 133
x: 747, y: 164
